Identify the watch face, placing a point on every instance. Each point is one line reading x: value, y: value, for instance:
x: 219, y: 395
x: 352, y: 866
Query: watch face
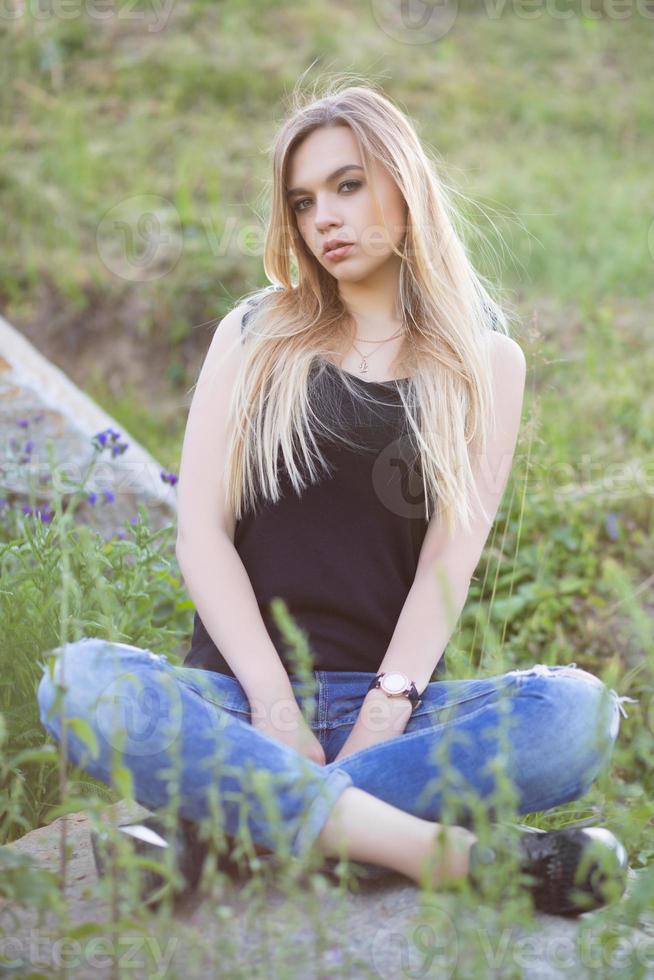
x: 395, y: 682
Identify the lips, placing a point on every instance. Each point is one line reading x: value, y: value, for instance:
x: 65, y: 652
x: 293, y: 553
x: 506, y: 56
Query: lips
x: 332, y: 244
x: 339, y: 253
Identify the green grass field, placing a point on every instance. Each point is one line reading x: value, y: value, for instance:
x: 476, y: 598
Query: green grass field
x: 544, y: 123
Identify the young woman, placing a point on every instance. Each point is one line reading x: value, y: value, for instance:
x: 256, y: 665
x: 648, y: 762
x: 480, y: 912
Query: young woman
x: 347, y: 448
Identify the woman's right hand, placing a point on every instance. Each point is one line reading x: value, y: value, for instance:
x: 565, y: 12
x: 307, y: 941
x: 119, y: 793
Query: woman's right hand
x: 290, y: 728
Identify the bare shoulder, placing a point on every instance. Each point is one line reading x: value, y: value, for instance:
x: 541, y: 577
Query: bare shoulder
x: 225, y: 349
x: 231, y: 331
x: 225, y: 352
x: 505, y: 349
x: 509, y: 362
x: 202, y: 500
x: 202, y: 505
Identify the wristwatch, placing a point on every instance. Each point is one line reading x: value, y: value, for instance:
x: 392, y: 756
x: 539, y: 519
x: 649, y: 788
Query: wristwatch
x: 395, y: 684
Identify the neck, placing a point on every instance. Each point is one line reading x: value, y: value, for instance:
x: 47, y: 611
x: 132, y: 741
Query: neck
x: 372, y: 304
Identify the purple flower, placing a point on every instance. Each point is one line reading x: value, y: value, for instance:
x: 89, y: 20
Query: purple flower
x: 108, y: 496
x: 106, y: 435
x: 134, y: 520
x: 3, y: 502
x: 612, y: 525
x: 92, y: 497
x: 43, y: 511
x: 29, y: 445
x: 23, y: 423
x: 169, y: 478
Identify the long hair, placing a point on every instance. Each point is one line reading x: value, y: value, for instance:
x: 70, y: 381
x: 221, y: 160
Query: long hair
x: 447, y: 310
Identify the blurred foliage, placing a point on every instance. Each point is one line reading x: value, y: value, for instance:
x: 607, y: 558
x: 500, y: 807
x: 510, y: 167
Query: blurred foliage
x: 543, y: 121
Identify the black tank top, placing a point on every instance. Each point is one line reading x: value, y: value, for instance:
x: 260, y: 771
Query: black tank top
x: 343, y: 555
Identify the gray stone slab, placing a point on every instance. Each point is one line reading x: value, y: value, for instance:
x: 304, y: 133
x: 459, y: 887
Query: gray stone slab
x: 376, y: 927
x: 34, y: 389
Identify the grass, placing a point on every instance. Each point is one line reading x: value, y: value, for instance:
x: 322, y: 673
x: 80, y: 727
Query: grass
x: 546, y: 125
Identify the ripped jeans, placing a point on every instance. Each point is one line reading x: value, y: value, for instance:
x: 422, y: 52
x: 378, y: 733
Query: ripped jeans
x: 188, y: 731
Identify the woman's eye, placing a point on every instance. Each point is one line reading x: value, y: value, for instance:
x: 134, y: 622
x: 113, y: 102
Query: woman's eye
x: 354, y: 183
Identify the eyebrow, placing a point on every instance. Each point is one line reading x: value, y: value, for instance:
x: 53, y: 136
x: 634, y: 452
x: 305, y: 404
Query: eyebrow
x: 337, y: 173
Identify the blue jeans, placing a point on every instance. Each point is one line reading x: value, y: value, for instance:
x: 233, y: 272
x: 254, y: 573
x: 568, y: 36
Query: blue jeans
x: 194, y: 726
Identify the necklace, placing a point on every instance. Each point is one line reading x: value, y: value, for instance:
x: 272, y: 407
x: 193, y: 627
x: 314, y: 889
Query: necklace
x: 363, y: 367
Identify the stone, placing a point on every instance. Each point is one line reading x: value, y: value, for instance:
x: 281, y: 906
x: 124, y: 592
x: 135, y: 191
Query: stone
x: 31, y: 387
x: 378, y: 928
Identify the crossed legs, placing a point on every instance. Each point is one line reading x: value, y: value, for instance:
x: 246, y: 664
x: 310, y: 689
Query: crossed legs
x: 381, y: 805
x: 561, y: 728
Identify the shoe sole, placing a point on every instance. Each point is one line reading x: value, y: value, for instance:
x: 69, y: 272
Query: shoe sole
x: 148, y: 845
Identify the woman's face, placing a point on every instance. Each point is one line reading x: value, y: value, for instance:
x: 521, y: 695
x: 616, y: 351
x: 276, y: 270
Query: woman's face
x: 342, y: 207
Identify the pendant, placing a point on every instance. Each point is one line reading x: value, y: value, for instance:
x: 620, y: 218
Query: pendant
x: 363, y: 367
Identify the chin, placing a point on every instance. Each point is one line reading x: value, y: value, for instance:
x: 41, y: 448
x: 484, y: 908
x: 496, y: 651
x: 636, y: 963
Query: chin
x: 354, y: 273
x: 350, y: 276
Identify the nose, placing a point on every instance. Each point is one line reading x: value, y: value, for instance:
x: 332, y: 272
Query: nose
x: 326, y: 225
x: 325, y: 215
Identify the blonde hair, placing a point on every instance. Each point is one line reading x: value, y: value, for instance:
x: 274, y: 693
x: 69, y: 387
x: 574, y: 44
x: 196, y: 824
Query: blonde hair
x: 445, y: 304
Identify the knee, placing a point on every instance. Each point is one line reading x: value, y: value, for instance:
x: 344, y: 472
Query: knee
x: 51, y: 677
x: 75, y: 668
x: 582, y: 675
x: 598, y: 704
x: 126, y: 698
x: 600, y: 717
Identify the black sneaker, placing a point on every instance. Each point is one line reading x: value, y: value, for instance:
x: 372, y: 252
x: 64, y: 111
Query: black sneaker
x: 574, y: 870
x: 150, y: 838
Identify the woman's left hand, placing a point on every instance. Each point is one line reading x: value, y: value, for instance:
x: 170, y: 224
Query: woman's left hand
x: 380, y: 718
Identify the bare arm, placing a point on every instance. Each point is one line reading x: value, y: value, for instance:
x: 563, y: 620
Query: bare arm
x: 446, y: 565
x: 212, y: 569
x: 222, y: 593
